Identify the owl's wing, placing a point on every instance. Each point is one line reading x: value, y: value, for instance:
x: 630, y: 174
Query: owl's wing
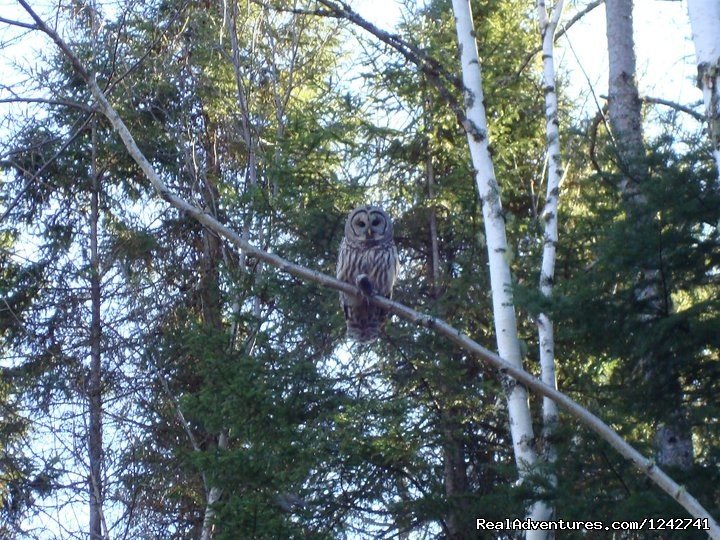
x: 342, y: 257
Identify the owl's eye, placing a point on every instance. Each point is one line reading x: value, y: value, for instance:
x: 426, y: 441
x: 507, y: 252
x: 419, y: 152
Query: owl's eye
x: 375, y: 222
x: 361, y: 223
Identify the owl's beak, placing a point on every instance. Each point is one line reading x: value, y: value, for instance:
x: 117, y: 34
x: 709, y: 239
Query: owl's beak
x: 369, y: 233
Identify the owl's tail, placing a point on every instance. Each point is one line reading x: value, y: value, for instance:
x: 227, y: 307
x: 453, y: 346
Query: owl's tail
x: 364, y: 322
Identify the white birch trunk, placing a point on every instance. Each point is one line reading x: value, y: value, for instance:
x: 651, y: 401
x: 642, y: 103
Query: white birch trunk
x: 546, y: 338
x: 213, y: 497
x: 705, y: 24
x: 508, y: 345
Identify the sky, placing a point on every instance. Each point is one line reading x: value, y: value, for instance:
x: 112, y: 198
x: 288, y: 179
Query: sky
x: 663, y: 46
x: 665, y: 53
x: 664, y: 49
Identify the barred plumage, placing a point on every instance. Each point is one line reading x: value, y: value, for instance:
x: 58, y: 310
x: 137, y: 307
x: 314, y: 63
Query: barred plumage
x: 368, y: 258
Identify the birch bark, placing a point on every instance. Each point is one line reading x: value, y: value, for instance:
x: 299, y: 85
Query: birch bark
x: 548, y: 26
x: 705, y: 24
x: 500, y: 280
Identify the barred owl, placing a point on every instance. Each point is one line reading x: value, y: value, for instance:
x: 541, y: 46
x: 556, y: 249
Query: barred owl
x: 367, y: 259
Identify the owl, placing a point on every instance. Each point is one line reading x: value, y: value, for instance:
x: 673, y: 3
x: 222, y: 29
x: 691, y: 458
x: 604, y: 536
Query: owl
x: 367, y: 259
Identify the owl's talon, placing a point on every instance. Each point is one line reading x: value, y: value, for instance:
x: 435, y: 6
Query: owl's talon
x: 363, y: 283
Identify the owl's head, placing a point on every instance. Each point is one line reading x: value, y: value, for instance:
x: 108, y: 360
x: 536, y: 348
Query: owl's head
x: 368, y: 225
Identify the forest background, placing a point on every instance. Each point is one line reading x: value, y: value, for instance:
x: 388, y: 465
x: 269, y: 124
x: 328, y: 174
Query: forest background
x: 158, y: 382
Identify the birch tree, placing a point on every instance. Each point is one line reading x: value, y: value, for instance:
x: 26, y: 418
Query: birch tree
x: 548, y: 23
x: 705, y: 24
x: 504, y: 317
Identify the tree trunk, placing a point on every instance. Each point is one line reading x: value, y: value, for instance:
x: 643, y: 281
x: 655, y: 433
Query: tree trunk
x: 213, y: 496
x: 500, y: 279
x: 705, y: 23
x: 434, y: 263
x: 624, y: 106
x: 455, y: 476
x: 549, y: 215
x: 94, y: 384
x: 673, y: 439
x: 454, y: 468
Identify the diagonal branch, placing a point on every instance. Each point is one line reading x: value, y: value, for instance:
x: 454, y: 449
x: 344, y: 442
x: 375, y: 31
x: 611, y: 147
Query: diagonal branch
x: 447, y: 84
x: 565, y: 27
x: 575, y: 18
x: 644, y: 464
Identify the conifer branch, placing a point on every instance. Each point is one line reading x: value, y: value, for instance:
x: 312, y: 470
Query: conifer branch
x: 29, y: 181
x: 645, y: 465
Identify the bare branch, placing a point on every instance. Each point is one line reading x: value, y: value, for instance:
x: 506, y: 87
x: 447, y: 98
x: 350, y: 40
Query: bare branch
x: 593, y: 132
x: 700, y: 117
x: 12, y: 22
x: 575, y: 18
x: 672, y: 104
x: 431, y: 67
x: 62, y: 102
x: 644, y: 464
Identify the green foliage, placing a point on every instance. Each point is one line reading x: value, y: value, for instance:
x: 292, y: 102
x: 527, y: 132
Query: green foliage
x: 604, y: 327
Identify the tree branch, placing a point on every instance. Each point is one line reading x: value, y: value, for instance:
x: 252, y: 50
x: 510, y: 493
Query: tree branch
x: 12, y: 22
x: 431, y: 67
x: 63, y: 102
x: 37, y: 173
x: 575, y: 18
x: 645, y: 465
x: 700, y: 117
x: 593, y: 132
